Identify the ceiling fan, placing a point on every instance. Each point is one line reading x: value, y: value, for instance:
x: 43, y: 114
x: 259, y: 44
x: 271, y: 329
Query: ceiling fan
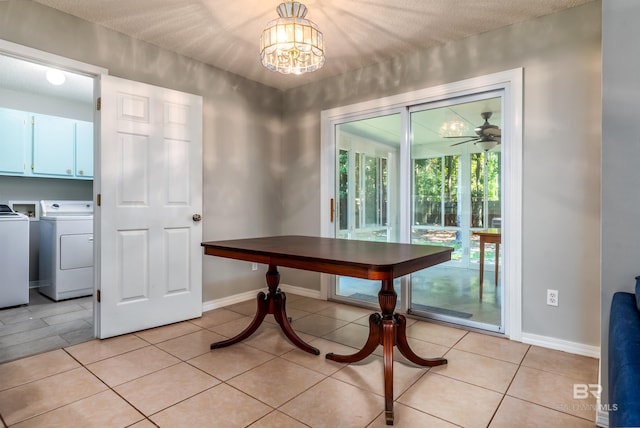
x: 487, y: 135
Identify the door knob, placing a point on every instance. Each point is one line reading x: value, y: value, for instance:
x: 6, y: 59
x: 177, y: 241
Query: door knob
x: 196, y: 217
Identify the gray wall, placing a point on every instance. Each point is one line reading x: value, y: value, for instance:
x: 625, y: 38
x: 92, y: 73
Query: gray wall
x: 620, y: 157
x: 241, y: 133
x: 561, y: 57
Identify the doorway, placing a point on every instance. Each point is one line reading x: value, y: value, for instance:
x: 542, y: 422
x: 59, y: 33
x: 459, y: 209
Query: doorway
x: 154, y: 144
x: 447, y: 185
x: 48, y: 169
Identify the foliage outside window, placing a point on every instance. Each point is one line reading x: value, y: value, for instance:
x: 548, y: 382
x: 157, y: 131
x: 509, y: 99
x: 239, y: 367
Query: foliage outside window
x: 436, y: 191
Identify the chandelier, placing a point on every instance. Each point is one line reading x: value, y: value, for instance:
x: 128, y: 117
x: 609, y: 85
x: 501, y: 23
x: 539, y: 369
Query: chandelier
x: 291, y: 43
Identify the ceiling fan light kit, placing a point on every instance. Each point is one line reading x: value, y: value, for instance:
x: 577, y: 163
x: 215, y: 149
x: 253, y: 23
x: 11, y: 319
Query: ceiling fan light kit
x: 488, y: 135
x: 292, y: 44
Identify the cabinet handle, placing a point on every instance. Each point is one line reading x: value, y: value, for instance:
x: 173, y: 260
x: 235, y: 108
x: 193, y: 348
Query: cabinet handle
x: 69, y: 171
x: 81, y: 172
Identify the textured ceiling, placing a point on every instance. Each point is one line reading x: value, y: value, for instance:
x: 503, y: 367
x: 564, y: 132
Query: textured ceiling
x: 357, y: 33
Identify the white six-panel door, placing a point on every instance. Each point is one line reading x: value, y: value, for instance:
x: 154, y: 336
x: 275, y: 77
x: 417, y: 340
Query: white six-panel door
x: 149, y: 270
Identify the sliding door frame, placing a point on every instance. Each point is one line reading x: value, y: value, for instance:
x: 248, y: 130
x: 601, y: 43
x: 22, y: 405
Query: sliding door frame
x: 511, y: 82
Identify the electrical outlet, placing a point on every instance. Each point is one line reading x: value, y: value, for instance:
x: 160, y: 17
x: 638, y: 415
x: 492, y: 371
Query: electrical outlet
x: 552, y: 297
x: 254, y: 266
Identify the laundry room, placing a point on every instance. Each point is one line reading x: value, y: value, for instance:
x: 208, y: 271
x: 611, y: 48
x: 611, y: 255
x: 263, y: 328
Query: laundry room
x: 46, y: 188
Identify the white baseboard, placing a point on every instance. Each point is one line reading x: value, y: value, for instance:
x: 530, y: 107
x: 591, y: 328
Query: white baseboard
x: 300, y: 291
x: 561, y: 345
x: 529, y: 338
x: 602, y: 418
x: 230, y: 300
x: 37, y: 283
x: 251, y: 295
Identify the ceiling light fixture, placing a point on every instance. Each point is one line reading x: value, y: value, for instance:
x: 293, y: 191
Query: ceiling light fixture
x: 292, y: 44
x: 486, y: 145
x: 55, y: 77
x: 452, y: 128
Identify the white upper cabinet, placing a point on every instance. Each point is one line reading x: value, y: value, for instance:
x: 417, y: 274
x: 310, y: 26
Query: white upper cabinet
x: 38, y: 145
x: 53, y: 146
x: 84, y: 149
x: 14, y: 142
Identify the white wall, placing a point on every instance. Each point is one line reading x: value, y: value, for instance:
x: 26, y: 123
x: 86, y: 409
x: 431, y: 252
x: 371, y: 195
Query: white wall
x: 620, y: 158
x: 35, y: 103
x: 560, y: 54
x: 241, y: 126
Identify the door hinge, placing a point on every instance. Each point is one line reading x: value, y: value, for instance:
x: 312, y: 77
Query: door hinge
x: 99, y: 199
x: 99, y: 103
x: 98, y: 295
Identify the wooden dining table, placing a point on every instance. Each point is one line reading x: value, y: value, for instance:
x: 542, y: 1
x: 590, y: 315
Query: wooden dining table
x: 381, y: 261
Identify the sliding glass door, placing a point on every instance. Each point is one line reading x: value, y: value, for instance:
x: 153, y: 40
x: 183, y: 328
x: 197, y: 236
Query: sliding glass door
x: 367, y: 191
x: 456, y: 188
x: 428, y: 174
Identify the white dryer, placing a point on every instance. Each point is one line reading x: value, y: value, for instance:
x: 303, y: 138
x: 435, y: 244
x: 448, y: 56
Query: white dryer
x: 14, y: 258
x: 66, y: 249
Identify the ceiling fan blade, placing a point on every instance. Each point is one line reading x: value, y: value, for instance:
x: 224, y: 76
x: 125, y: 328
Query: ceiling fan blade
x: 494, y: 132
x: 464, y: 136
x: 462, y: 142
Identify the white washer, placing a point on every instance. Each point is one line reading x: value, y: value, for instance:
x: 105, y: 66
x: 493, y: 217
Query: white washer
x: 14, y: 258
x: 66, y: 249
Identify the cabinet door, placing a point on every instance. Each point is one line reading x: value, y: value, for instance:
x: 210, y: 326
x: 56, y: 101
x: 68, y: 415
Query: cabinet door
x: 53, y: 145
x: 84, y: 149
x: 14, y: 140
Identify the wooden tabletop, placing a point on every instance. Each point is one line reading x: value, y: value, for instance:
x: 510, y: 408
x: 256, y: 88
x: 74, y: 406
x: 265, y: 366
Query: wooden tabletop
x: 488, y: 232
x: 360, y: 259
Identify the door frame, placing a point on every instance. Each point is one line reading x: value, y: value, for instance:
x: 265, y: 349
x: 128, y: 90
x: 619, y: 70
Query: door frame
x: 511, y: 82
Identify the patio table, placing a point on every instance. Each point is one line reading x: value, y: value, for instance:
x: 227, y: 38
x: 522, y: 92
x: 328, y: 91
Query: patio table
x: 489, y: 236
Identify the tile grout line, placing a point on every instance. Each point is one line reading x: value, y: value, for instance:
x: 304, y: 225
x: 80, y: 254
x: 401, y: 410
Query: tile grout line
x: 520, y: 365
x: 533, y: 402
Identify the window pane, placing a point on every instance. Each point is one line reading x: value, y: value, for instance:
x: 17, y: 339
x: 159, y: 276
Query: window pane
x: 368, y: 188
x: 371, y: 186
x: 427, y: 195
x: 450, y: 190
x: 477, y: 190
x: 343, y: 189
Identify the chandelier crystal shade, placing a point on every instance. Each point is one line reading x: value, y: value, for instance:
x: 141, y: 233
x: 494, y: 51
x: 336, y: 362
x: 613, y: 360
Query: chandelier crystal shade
x: 292, y: 44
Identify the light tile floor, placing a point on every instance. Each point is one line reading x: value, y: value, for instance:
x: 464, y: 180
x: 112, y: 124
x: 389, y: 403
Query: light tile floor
x: 168, y: 377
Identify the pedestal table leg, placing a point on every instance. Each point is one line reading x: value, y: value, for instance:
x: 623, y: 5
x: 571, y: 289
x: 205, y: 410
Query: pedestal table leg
x: 274, y: 302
